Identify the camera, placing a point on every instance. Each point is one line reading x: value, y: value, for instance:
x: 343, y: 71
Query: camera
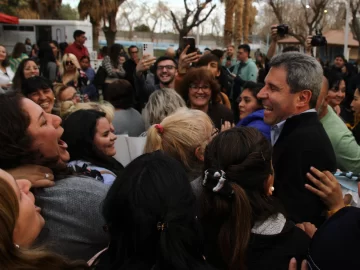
x: 318, y: 40
x: 282, y: 30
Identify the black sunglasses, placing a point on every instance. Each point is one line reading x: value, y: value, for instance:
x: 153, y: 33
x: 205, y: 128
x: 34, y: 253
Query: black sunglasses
x: 69, y: 63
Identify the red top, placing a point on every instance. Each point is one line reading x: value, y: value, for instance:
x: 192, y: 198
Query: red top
x: 78, y: 50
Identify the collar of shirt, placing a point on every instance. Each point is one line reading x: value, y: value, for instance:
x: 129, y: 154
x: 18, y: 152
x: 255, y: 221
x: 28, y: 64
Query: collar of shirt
x: 277, y: 128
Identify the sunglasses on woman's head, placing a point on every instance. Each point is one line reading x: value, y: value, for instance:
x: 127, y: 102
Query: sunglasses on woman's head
x: 69, y: 63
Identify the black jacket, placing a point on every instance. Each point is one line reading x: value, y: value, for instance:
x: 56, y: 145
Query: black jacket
x: 302, y: 143
x: 274, y: 252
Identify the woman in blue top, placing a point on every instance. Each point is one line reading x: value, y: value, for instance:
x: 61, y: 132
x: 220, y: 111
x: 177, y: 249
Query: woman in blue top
x: 251, y: 109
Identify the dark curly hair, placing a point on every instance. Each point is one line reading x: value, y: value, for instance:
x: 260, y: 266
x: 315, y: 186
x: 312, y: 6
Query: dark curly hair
x: 197, y: 75
x: 15, y: 142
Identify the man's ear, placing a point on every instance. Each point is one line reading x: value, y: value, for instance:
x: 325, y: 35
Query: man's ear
x: 304, y: 98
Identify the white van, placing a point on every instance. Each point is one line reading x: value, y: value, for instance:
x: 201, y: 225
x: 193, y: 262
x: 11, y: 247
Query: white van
x: 59, y: 30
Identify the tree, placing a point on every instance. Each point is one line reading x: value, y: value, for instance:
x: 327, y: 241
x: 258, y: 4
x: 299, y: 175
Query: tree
x: 131, y: 14
x: 142, y: 28
x: 229, y: 21
x: 111, y: 8
x: 183, y: 26
x: 32, y: 9
x: 355, y: 22
x: 239, y: 12
x: 155, y: 15
x: 68, y: 13
x: 93, y: 10
x: 101, y: 11
x: 312, y: 11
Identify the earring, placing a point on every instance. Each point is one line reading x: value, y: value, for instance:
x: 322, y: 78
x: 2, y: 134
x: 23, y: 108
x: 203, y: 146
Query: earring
x: 17, y: 246
x: 272, y: 188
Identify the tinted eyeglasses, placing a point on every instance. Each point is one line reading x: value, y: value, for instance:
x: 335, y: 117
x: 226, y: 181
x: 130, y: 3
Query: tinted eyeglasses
x: 69, y: 63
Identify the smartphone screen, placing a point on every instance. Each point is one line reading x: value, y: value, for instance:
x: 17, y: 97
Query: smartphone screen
x: 190, y: 41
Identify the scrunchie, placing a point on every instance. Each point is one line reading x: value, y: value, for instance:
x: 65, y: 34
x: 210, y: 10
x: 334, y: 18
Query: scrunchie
x: 215, y: 180
x: 159, y: 128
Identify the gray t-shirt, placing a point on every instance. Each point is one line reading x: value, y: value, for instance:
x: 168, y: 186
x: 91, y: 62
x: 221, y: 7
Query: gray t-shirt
x: 128, y: 122
x: 73, y: 220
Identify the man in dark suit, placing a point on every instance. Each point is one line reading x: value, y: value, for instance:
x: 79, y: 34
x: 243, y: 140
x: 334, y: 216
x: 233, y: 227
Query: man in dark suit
x: 299, y: 139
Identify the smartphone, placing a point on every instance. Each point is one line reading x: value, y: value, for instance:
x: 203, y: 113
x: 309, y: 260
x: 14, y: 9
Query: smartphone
x: 190, y: 41
x: 148, y: 48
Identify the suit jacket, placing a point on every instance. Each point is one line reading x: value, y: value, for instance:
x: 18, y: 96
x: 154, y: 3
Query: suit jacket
x: 302, y: 143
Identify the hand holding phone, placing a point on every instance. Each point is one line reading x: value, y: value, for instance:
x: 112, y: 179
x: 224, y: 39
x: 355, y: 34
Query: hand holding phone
x: 190, y: 41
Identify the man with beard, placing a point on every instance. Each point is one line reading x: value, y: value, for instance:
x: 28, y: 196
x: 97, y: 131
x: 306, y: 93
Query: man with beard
x: 165, y: 71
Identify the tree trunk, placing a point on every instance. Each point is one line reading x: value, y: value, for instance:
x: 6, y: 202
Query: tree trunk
x: 182, y: 34
x: 239, y: 21
x: 109, y: 35
x: 229, y: 19
x: 247, y: 11
x: 95, y: 36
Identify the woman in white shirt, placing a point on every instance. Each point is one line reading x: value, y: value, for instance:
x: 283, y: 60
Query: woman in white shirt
x: 6, y: 74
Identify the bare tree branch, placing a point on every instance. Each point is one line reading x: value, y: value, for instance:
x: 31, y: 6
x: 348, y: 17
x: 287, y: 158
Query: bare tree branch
x: 175, y: 21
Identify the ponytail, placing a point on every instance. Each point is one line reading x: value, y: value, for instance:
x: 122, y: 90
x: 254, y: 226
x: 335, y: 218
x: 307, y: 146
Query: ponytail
x: 235, y: 231
x: 227, y: 205
x: 153, y: 140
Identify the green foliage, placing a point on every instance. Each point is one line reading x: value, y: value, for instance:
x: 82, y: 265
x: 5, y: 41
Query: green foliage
x: 142, y: 28
x: 68, y: 13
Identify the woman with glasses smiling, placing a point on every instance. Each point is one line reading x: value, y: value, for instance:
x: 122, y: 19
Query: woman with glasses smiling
x: 200, y: 89
x: 71, y: 73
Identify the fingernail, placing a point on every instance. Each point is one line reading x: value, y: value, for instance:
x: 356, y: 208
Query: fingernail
x: 293, y: 260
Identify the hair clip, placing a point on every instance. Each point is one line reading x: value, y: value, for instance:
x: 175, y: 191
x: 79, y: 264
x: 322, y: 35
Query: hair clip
x: 161, y: 226
x: 205, y: 178
x: 159, y: 128
x: 221, y: 181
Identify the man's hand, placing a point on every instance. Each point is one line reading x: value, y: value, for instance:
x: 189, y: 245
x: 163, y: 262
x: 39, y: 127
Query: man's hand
x: 145, y: 63
x: 186, y: 59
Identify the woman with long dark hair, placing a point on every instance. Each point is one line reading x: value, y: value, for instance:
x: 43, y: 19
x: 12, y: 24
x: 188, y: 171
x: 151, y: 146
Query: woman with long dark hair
x: 47, y: 61
x: 26, y: 69
x: 244, y: 226
x: 151, y: 219
x: 70, y: 207
x: 91, y: 143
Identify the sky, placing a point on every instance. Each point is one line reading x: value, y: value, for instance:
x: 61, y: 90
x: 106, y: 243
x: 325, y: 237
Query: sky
x: 172, y: 3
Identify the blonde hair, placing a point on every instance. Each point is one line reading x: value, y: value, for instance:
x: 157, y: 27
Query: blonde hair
x: 72, y: 58
x: 68, y: 107
x: 161, y: 103
x: 59, y: 88
x: 183, y: 132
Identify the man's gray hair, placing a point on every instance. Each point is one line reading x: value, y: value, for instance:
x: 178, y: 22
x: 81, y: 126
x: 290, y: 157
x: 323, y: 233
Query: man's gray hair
x: 304, y: 72
x: 161, y: 103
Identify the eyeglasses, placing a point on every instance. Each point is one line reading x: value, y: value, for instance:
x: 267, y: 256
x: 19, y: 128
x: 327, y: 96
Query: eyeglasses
x: 169, y: 67
x: 196, y: 88
x: 69, y: 63
x: 215, y: 132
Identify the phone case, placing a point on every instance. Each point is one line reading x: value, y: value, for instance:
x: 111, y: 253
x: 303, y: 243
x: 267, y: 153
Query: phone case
x: 148, y: 49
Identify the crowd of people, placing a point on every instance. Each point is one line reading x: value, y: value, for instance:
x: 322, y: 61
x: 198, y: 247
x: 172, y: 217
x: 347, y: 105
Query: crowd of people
x: 185, y: 161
